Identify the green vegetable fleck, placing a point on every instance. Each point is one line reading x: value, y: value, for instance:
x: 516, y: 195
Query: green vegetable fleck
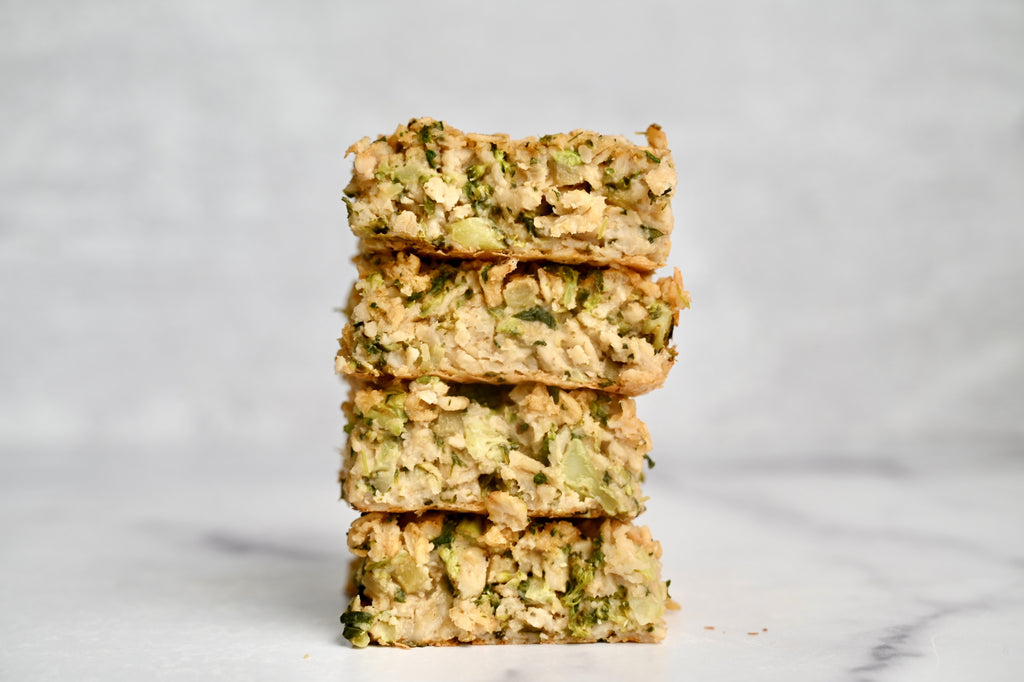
x: 356, y: 624
x: 441, y: 280
x: 567, y: 157
x: 501, y: 157
x: 582, y: 477
x: 527, y: 220
x: 570, y: 279
x: 599, y: 409
x: 652, y: 233
x: 425, y: 132
x: 476, y: 233
x: 446, y: 536
x: 537, y: 314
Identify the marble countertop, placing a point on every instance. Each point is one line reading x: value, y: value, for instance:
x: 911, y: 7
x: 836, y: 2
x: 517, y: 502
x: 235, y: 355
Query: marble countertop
x: 786, y: 569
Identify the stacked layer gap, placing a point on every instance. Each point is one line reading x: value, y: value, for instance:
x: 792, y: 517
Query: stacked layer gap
x: 506, y: 311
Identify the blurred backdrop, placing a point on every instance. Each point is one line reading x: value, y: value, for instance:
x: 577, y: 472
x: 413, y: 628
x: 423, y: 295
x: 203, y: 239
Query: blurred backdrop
x: 849, y: 219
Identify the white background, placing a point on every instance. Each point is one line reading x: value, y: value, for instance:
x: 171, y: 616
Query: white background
x: 849, y: 221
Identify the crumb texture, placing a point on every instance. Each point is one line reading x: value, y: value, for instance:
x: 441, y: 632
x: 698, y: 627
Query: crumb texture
x: 449, y: 578
x: 511, y: 322
x: 576, y: 197
x: 526, y: 449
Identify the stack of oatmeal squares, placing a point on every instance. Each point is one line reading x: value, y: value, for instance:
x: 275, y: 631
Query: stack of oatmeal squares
x: 505, y: 313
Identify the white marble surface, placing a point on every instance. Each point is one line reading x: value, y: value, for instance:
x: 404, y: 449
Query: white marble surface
x: 840, y: 447
x: 843, y: 570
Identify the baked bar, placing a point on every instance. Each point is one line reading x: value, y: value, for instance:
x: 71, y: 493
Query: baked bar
x: 510, y: 322
x: 449, y: 578
x: 571, y: 198
x: 511, y: 451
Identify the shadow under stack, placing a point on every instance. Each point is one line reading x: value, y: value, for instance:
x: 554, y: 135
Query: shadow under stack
x: 505, y: 313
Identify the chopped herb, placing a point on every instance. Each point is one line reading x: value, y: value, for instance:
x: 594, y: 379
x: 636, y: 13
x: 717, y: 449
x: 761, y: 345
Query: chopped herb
x: 650, y: 462
x: 555, y: 393
x: 445, y: 277
x: 540, y: 478
x: 356, y: 624
x: 477, y: 192
x: 425, y: 136
x: 599, y: 409
x: 540, y: 342
x: 400, y: 596
x: 527, y: 220
x: 545, y: 447
x: 374, y: 347
x: 652, y: 157
x: 537, y: 314
x: 356, y: 618
x: 431, y: 158
x: 570, y: 279
x: 652, y: 233
x: 501, y: 157
x: 623, y: 183
x: 446, y: 536
x: 507, y: 447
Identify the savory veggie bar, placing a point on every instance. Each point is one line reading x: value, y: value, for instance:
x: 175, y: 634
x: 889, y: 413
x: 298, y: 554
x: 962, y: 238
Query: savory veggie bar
x: 510, y: 451
x: 574, y: 197
x: 510, y: 322
x: 450, y: 578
